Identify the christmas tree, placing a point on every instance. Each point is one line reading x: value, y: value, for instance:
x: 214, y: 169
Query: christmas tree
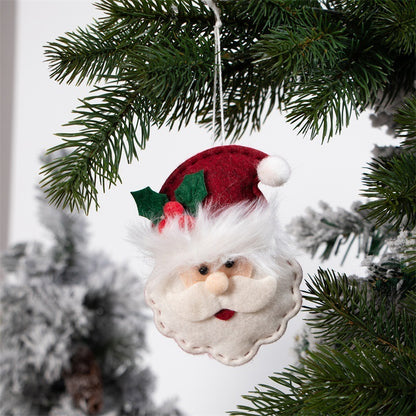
x: 72, y: 330
x: 321, y: 63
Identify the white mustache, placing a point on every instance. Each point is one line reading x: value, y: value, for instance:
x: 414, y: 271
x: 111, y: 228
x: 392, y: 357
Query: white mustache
x: 243, y: 295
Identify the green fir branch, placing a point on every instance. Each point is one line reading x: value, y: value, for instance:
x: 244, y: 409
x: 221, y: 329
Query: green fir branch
x: 106, y: 122
x: 395, y: 23
x: 409, y: 254
x: 263, y: 16
x: 172, y: 75
x: 343, y: 310
x: 249, y: 98
x: 400, y: 83
x: 359, y: 380
x: 315, y: 44
x: 410, y: 303
x: 323, y: 103
x: 406, y: 123
x: 169, y: 77
x: 99, y: 51
x: 154, y: 15
x: 391, y: 187
x: 104, y: 130
x: 89, y: 55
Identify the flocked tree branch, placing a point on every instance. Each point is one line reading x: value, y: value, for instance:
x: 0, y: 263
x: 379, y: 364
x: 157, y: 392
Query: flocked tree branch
x: 331, y: 231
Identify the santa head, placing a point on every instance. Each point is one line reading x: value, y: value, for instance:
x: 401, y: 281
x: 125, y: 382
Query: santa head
x: 222, y: 281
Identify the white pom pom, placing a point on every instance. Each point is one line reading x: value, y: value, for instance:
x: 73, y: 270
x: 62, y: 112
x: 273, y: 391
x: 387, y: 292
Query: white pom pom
x: 273, y: 171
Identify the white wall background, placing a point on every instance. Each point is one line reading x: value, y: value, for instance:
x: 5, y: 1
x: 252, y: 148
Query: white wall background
x: 330, y: 172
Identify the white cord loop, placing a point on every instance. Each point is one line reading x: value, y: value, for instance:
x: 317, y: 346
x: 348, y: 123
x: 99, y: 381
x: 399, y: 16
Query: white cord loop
x: 217, y: 70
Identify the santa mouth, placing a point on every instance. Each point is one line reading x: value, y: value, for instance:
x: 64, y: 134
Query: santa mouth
x: 225, y: 314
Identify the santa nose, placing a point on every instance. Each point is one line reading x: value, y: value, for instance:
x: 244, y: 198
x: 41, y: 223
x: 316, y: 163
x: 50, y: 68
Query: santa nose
x: 217, y: 283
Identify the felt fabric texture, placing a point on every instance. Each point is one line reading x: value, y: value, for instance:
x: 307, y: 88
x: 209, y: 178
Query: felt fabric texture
x: 192, y: 191
x: 150, y: 204
x: 230, y: 175
x: 217, y: 283
x: 189, y: 194
x: 236, y: 340
x: 225, y: 314
x: 251, y: 296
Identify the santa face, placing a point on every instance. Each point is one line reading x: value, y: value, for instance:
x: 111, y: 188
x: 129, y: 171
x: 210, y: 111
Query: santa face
x: 211, y: 206
x: 226, y: 309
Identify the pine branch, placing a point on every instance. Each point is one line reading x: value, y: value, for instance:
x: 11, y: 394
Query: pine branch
x: 395, y: 22
x: 172, y: 77
x: 153, y: 14
x: 104, y: 119
x: 325, y: 102
x: 247, y: 16
x: 244, y: 93
x: 406, y: 120
x: 315, y: 43
x: 89, y: 54
x: 410, y: 303
x: 249, y: 96
x: 392, y: 185
x: 99, y: 51
x: 409, y: 253
x: 279, y: 12
x: 343, y: 311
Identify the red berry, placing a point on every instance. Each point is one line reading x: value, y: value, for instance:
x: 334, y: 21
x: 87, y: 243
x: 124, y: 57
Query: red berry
x: 172, y: 209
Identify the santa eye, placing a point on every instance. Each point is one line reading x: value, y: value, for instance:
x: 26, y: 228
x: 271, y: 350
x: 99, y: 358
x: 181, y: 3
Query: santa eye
x: 229, y: 264
x: 203, y: 270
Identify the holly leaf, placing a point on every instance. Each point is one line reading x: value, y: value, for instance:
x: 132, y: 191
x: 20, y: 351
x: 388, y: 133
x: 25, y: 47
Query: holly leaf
x: 192, y: 191
x: 150, y: 203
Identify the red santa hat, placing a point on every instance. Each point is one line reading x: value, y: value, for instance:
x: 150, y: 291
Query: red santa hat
x: 231, y: 173
x: 211, y: 206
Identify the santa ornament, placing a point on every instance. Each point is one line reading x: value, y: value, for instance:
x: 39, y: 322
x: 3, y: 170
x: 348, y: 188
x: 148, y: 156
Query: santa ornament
x: 222, y: 282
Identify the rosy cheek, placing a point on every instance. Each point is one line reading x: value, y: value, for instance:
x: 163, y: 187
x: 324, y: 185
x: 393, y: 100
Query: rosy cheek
x: 246, y: 269
x: 190, y: 277
x: 242, y: 268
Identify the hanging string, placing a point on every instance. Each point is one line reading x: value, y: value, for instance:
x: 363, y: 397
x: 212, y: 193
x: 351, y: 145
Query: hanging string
x: 217, y: 72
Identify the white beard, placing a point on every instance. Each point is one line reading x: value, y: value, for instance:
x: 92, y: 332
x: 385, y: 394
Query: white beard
x: 262, y: 305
